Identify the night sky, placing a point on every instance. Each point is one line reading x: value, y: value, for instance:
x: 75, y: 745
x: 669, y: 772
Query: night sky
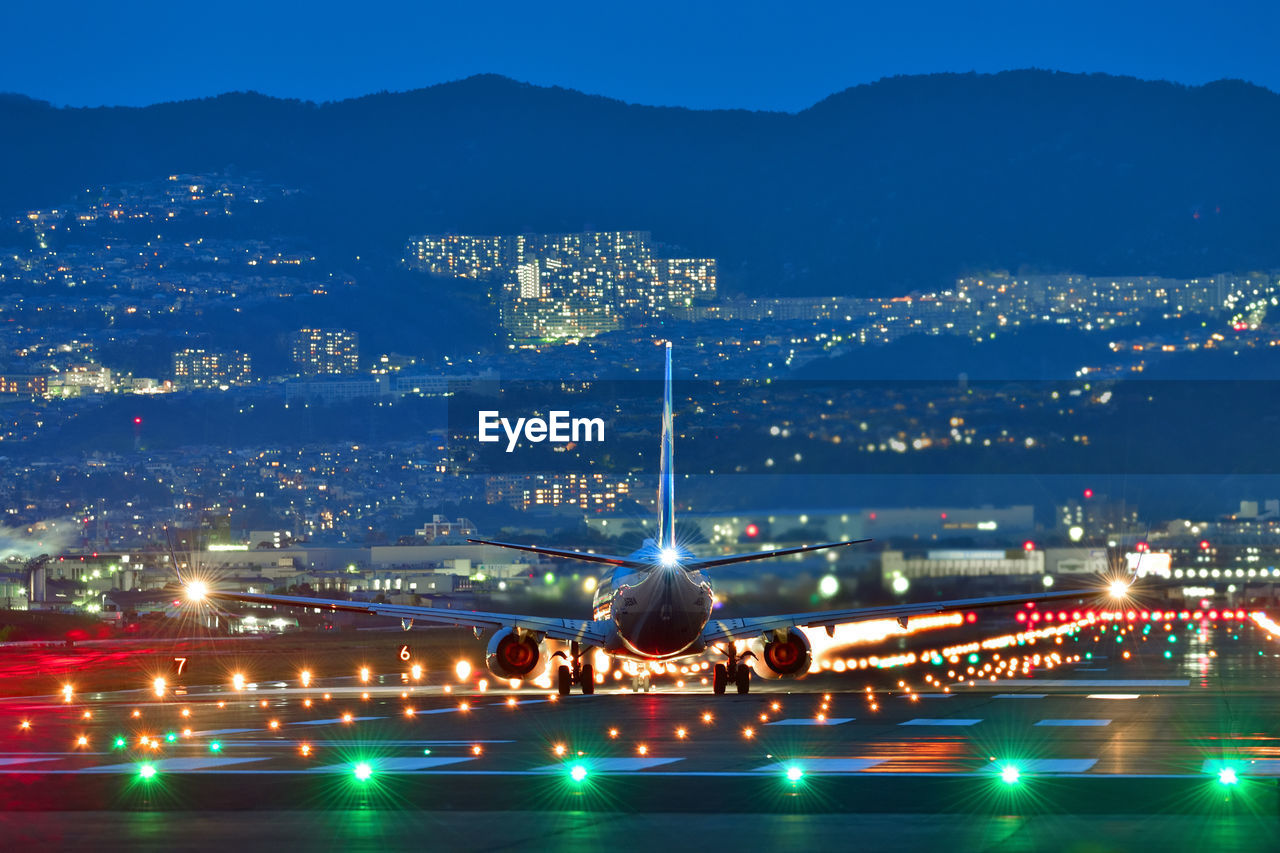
x: 755, y: 55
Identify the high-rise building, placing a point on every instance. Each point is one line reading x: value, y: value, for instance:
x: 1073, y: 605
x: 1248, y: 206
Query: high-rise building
x: 198, y: 368
x: 325, y: 351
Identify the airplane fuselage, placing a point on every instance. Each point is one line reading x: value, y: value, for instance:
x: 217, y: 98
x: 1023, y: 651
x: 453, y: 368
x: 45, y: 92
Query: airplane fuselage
x: 657, y: 615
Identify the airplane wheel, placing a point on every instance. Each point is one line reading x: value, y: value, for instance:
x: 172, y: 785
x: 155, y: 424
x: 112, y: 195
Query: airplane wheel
x: 565, y: 679
x: 719, y: 679
x: 744, y: 679
x: 588, y: 679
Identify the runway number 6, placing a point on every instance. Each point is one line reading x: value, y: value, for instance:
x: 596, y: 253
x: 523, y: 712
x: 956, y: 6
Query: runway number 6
x: 405, y: 653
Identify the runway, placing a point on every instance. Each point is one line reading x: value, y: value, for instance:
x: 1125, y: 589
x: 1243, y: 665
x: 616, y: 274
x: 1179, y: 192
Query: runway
x: 1188, y: 740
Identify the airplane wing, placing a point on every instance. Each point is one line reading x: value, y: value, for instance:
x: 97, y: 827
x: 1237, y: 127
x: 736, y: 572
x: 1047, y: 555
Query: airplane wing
x: 583, y: 630
x: 712, y: 562
x: 727, y: 629
x: 569, y: 555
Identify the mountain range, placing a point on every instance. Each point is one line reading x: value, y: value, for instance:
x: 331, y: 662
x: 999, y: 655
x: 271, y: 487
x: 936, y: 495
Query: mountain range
x: 880, y: 189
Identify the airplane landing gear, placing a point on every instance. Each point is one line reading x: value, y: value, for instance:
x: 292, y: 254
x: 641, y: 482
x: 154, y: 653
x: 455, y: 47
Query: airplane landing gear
x: 641, y: 682
x: 743, y: 679
x: 719, y: 679
x: 581, y: 674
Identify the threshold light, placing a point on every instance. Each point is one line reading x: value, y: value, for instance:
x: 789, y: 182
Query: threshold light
x: 577, y: 773
x: 363, y: 771
x: 1009, y: 774
x: 147, y: 771
x: 794, y: 774
x: 1227, y: 776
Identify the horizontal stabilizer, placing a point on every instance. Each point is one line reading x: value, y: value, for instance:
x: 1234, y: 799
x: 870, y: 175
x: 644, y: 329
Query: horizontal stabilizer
x: 568, y: 555
x: 764, y: 555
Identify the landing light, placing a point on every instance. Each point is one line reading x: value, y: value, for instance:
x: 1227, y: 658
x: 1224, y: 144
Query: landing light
x: 669, y: 557
x: 1119, y: 589
x: 196, y: 591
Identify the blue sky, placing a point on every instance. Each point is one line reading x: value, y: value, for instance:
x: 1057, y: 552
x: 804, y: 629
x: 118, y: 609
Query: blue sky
x: 748, y: 54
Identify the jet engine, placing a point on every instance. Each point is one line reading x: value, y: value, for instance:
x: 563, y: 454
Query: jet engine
x: 780, y: 656
x: 515, y: 654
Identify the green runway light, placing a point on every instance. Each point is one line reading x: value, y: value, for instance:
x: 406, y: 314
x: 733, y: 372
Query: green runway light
x: 973, y: 658
x: 1009, y: 774
x: 577, y: 773
x: 1088, y: 655
x: 171, y: 737
x: 147, y: 771
x: 120, y: 743
x: 426, y: 752
x: 1227, y: 776
x: 794, y: 774
x: 215, y: 747
x: 363, y: 771
x: 1167, y: 654
x: 1173, y: 638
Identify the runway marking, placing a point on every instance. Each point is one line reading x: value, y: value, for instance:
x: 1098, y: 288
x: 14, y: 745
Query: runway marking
x: 948, y: 721
x: 1047, y: 765
x: 822, y: 765
x: 334, y: 721
x: 1091, y: 669
x: 927, y: 696
x: 1020, y: 696
x: 1090, y: 722
x: 611, y: 765
x: 1266, y: 767
x: 174, y: 765
x: 1100, y: 682
x: 5, y: 762
x: 811, y: 721
x: 406, y: 764
x: 1114, y: 696
x: 346, y: 744
x: 215, y: 732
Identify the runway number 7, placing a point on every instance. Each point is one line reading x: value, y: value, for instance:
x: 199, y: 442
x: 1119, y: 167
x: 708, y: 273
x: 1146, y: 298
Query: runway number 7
x: 179, y: 664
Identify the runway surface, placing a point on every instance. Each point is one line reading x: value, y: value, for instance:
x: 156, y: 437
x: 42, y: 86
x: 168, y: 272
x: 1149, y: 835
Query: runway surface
x: 1181, y: 750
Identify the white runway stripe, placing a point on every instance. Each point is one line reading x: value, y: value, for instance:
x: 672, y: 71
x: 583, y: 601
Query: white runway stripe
x: 927, y: 721
x: 822, y: 765
x: 6, y: 762
x: 1114, y: 696
x: 810, y: 721
x: 1091, y: 722
x: 330, y: 722
x: 609, y: 765
x: 403, y: 764
x: 1020, y: 696
x: 175, y: 765
x: 1045, y: 765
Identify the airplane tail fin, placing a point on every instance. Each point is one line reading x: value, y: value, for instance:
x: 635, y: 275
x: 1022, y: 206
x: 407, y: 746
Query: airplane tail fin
x: 666, y: 476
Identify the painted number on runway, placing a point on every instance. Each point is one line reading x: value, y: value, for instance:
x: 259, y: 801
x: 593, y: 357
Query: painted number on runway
x: 178, y: 666
x: 405, y: 654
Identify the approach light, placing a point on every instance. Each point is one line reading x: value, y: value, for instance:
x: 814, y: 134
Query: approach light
x: 363, y: 771
x: 1119, y: 589
x: 1009, y: 774
x: 197, y: 590
x: 669, y: 557
x: 158, y: 686
x: 237, y: 681
x: 1227, y: 776
x: 577, y: 773
x: 794, y: 774
x: 305, y: 677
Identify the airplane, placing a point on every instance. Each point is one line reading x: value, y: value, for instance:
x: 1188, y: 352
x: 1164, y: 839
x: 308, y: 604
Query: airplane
x: 652, y: 605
